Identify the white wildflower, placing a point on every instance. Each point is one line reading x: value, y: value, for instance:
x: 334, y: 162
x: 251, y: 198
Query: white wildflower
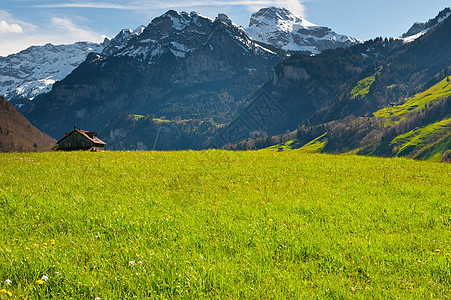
x: 44, y: 278
x: 131, y: 263
x: 7, y: 281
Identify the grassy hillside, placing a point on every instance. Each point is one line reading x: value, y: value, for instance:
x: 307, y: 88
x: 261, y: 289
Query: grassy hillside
x: 436, y: 93
x: 217, y: 224
x: 426, y: 137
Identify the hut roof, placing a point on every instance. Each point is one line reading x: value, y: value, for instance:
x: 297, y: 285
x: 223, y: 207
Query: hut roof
x: 90, y: 135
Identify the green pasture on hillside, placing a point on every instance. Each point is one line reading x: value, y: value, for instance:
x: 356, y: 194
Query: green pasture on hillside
x: 436, y: 93
x: 363, y: 86
x: 228, y: 225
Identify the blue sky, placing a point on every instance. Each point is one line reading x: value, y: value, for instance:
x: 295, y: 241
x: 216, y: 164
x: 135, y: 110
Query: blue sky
x: 36, y: 22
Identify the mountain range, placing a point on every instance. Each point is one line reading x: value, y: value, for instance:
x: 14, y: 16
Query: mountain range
x: 186, y: 81
x: 34, y: 71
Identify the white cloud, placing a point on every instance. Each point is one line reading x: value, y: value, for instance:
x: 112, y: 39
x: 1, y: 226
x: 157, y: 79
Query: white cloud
x: 294, y: 5
x: 86, y: 5
x: 64, y: 30
x: 10, y: 28
x: 58, y: 30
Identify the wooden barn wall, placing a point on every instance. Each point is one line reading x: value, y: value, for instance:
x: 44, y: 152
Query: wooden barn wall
x: 75, y: 140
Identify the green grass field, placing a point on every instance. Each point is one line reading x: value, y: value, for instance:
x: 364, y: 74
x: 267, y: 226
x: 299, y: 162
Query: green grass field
x: 218, y: 224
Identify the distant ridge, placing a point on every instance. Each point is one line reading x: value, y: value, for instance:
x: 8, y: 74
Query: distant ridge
x: 17, y: 134
x: 418, y: 28
x: 34, y: 70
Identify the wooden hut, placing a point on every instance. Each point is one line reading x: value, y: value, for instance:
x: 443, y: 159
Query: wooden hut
x: 79, y: 139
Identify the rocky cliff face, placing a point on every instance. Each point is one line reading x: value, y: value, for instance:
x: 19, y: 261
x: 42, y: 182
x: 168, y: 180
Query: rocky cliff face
x: 282, y: 29
x: 206, y: 49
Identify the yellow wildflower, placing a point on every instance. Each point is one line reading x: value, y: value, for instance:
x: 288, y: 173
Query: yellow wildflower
x: 36, y: 217
x: 35, y: 245
x: 52, y: 242
x: 45, y: 244
x: 9, y: 293
x: 3, y: 291
x: 39, y: 281
x: 270, y: 220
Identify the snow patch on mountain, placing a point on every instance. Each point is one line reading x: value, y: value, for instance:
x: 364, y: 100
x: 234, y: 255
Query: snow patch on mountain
x: 419, y: 29
x: 34, y: 71
x: 281, y: 28
x: 121, y: 39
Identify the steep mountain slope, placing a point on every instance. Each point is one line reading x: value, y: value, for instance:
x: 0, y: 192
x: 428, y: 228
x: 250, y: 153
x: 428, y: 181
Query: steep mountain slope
x: 33, y: 71
x: 181, y: 66
x: 281, y: 28
x: 17, y: 134
x: 399, y: 105
x: 396, y: 77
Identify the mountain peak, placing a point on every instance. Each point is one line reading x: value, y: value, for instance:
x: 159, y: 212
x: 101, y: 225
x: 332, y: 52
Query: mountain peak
x: 224, y: 18
x: 275, y: 14
x: 281, y: 28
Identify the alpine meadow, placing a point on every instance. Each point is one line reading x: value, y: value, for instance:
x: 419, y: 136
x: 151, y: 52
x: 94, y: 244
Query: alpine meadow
x: 220, y: 224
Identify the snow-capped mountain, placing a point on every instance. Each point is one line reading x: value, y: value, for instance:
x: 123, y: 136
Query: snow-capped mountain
x: 33, y: 71
x: 281, y: 28
x: 180, y: 34
x: 418, y: 29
